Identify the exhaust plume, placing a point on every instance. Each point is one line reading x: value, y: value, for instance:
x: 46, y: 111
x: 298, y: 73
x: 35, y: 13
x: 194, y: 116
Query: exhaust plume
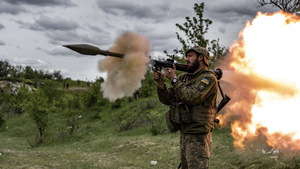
x: 263, y: 71
x: 124, y: 75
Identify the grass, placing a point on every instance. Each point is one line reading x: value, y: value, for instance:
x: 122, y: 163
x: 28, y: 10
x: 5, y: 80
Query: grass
x: 96, y: 143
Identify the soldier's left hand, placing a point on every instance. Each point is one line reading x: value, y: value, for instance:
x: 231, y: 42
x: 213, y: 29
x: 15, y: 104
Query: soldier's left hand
x: 171, y: 73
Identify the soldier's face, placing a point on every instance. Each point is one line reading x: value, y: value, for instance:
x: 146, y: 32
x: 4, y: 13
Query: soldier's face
x: 192, y: 62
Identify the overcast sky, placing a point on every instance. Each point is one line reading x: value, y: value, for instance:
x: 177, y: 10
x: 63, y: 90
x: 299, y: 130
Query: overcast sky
x: 32, y: 32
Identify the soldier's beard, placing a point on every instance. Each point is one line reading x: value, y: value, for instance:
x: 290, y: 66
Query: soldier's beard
x: 193, y: 67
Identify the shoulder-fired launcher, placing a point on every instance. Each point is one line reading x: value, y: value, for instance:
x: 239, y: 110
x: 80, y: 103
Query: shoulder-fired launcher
x: 86, y: 49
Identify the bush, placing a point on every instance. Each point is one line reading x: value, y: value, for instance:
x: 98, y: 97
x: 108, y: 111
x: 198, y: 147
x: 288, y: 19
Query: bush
x: 148, y: 87
x: 6, y: 110
x: 116, y: 104
x: 155, y: 115
x: 71, y: 101
x: 36, y: 105
x: 50, y: 91
x: 1, y: 118
x: 129, y: 115
x: 94, y: 97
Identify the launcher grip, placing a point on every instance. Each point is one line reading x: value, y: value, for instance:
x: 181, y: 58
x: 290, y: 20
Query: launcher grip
x: 223, y: 102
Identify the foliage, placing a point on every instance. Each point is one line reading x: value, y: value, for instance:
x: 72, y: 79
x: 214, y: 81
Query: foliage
x: 218, y: 53
x: 155, y: 115
x: 57, y: 75
x: 148, y: 87
x: 143, y: 112
x: 15, y: 71
x: 4, y: 68
x: 94, y: 146
x: 36, y: 105
x: 1, y: 117
x: 6, y: 110
x: 126, y: 116
x: 195, y: 29
x: 17, y: 100
x: 128, y: 133
x: 27, y: 72
x: 290, y: 6
x: 71, y: 101
x: 93, y: 96
x: 50, y: 91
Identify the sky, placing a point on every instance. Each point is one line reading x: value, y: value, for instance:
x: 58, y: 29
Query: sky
x: 32, y: 32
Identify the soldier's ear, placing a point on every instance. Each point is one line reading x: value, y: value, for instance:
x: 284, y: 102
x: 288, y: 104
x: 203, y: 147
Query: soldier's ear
x: 200, y: 57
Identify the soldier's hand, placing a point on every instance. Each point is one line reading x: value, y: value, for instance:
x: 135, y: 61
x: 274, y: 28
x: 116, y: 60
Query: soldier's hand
x: 171, y: 73
x: 159, y: 78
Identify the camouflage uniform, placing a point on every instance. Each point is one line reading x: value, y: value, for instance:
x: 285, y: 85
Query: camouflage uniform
x: 192, y: 103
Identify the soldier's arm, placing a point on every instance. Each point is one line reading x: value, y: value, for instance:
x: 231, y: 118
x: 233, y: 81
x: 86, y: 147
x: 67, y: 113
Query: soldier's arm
x: 197, y: 93
x: 162, y: 91
x: 164, y: 94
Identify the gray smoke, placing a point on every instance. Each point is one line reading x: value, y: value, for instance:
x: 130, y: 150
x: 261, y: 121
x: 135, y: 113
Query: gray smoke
x: 124, y: 75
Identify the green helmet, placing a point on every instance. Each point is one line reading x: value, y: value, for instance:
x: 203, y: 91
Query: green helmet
x: 200, y: 50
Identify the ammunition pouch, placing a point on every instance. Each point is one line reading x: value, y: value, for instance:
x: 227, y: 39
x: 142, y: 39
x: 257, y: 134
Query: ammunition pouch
x: 203, y: 115
x: 202, y: 120
x: 172, y: 126
x: 177, y: 115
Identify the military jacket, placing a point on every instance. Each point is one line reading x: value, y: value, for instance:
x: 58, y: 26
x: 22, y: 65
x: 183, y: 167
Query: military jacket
x: 198, y: 92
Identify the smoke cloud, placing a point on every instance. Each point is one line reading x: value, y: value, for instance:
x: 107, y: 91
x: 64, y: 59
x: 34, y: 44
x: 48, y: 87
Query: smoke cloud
x: 124, y: 75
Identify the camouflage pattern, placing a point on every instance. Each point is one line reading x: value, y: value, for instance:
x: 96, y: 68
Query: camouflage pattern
x: 194, y: 150
x: 200, y: 50
x: 200, y: 97
x: 199, y: 92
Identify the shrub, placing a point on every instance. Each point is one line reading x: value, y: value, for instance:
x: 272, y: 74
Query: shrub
x: 93, y: 96
x: 37, y: 106
x: 1, y: 118
x: 6, y: 109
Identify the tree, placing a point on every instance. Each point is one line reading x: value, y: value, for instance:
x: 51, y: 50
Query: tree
x: 4, y: 68
x: 47, y: 75
x: 15, y: 71
x: 298, y: 11
x: 28, y: 72
x: 36, y: 105
x: 195, y: 29
x: 148, y: 85
x: 290, y: 6
x: 57, y: 75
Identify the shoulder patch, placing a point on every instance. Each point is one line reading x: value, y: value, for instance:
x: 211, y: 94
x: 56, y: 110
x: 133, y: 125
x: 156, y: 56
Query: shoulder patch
x: 201, y: 86
x: 204, y: 80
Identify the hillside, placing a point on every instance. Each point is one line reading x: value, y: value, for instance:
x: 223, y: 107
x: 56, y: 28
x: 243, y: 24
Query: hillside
x: 78, y: 128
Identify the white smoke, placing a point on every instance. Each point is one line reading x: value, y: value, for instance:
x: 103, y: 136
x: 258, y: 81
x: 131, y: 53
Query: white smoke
x: 124, y: 75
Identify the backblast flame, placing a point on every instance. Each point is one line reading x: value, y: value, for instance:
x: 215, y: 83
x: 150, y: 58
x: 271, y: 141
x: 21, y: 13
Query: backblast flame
x: 124, y: 75
x: 264, y: 61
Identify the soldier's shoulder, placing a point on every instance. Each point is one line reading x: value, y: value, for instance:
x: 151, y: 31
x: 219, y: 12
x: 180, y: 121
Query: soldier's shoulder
x: 209, y: 74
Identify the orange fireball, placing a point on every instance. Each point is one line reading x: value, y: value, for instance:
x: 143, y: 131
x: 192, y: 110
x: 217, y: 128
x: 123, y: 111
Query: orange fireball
x: 266, y: 101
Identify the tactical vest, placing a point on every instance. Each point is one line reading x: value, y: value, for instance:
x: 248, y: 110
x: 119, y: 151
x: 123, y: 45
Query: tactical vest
x: 191, y: 119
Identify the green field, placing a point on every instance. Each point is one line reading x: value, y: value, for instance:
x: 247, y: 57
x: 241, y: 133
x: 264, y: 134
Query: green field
x: 90, y: 139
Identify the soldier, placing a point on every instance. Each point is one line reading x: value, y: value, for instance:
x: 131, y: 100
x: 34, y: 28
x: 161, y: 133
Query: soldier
x: 192, y: 100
